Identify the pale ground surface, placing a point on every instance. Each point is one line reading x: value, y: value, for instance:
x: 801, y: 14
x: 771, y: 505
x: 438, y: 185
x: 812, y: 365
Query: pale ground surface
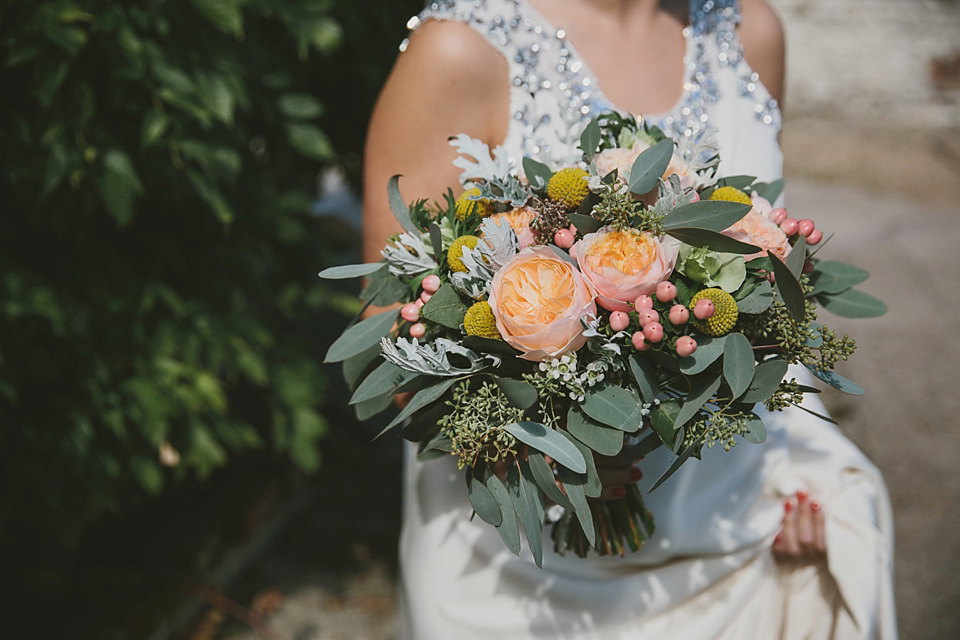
x: 874, y: 156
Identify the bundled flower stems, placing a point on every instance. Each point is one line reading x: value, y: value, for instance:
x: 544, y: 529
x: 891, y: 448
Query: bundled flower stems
x: 633, y: 301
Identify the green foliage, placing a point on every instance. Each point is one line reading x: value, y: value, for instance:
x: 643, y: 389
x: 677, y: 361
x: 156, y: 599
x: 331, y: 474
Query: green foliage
x: 159, y: 309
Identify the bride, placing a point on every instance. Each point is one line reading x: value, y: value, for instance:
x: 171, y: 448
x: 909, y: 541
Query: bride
x: 740, y: 550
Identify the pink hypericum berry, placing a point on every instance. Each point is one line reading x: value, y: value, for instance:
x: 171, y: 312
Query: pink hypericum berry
x: 563, y: 238
x: 431, y: 284
x: 410, y: 312
x: 417, y: 330
x: 666, y: 291
x: 643, y: 302
x: 703, y: 309
x: 573, y: 229
x: 619, y: 321
x: 647, y: 316
x: 815, y: 237
x: 639, y: 343
x: 806, y: 227
x: 686, y: 346
x: 789, y: 226
x: 426, y: 297
x: 808, y: 267
x: 419, y: 303
x: 771, y: 278
x: 679, y: 314
x: 778, y: 215
x: 696, y: 197
x: 653, y: 332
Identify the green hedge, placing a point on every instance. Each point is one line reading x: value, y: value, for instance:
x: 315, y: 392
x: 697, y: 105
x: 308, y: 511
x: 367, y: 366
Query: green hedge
x: 159, y: 306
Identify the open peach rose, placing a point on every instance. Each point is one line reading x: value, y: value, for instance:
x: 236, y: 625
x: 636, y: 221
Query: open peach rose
x: 758, y: 229
x: 623, y: 265
x: 519, y: 220
x: 538, y: 300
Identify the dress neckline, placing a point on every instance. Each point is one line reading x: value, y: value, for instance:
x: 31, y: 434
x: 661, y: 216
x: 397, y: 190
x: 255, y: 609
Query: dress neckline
x: 559, y: 35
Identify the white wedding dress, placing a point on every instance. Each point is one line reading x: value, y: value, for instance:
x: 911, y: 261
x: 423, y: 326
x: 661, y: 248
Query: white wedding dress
x: 708, y: 572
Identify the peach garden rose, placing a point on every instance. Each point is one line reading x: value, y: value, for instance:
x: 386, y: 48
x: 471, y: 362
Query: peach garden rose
x: 519, y: 220
x: 758, y: 229
x: 538, y: 300
x: 623, y: 265
x: 622, y: 160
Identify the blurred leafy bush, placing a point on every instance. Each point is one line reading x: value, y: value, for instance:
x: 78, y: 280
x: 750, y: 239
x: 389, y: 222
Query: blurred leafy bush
x: 159, y: 306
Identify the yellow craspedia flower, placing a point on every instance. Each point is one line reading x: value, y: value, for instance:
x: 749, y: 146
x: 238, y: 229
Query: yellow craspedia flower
x: 466, y: 206
x: 479, y: 321
x: 455, y: 252
x: 569, y: 186
x: 724, y: 314
x: 729, y: 194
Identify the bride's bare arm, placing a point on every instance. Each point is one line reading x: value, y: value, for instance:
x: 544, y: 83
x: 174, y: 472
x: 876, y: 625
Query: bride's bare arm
x: 448, y: 81
x: 761, y: 35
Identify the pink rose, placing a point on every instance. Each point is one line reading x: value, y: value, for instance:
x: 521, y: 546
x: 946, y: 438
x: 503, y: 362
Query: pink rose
x: 758, y: 229
x: 538, y: 300
x: 623, y: 265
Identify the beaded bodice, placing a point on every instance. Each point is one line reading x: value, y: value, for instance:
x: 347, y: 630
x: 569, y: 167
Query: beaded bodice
x: 554, y: 94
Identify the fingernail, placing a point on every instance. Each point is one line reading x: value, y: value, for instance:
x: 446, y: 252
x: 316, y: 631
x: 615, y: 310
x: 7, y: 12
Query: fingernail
x: 801, y: 496
x: 635, y: 474
x: 815, y: 506
x: 788, y: 506
x: 618, y: 492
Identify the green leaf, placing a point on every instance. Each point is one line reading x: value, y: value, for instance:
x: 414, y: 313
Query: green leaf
x: 713, y: 215
x: 212, y: 197
x: 592, y: 485
x: 374, y: 406
x: 788, y: 287
x: 766, y: 379
x: 712, y: 240
x: 117, y: 162
x: 299, y: 106
x: 360, y: 364
x: 362, y: 336
x: 852, y: 303
x: 689, y: 451
x: 400, y: 210
x: 573, y: 484
x: 645, y: 373
x: 651, y: 442
x: 649, y: 166
x: 797, y: 257
x: 663, y: 417
x: 837, y: 381
x: 488, y: 345
x: 590, y: 139
x: 117, y: 196
x: 508, y: 529
x: 445, y: 307
x: 549, y: 442
x: 532, y: 511
x: 771, y: 191
x: 420, y: 400
x: 543, y: 476
x: 384, y: 379
x: 738, y: 363
x: 756, y: 431
x: 701, y: 389
x: 708, y: 350
x: 604, y: 440
x: 351, y: 270
x: 758, y: 300
x: 615, y: 406
x: 831, y: 276
x: 155, y: 124
x: 436, y: 240
x: 383, y: 289
x: 483, y: 502
x: 533, y: 170
x: 585, y: 224
x: 520, y: 394
x: 310, y: 141
x: 737, y: 182
x: 223, y: 14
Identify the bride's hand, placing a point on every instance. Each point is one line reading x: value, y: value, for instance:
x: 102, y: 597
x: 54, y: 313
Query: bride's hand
x: 801, y: 537
x: 615, y: 473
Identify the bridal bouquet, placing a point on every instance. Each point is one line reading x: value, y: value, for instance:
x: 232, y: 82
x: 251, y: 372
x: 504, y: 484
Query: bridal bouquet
x: 631, y: 302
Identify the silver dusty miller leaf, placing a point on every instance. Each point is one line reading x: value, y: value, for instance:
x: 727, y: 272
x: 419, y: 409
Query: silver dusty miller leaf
x: 408, y: 256
x: 433, y: 358
x: 498, y: 245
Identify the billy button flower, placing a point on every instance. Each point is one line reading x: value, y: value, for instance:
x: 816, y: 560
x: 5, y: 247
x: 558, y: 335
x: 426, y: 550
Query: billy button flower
x: 466, y: 206
x: 724, y: 315
x: 455, y: 252
x: 479, y: 321
x: 729, y: 194
x: 569, y: 187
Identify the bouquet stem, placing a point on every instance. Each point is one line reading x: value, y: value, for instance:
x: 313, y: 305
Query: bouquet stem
x: 619, y: 524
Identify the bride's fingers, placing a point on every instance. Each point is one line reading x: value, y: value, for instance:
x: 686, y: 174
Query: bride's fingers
x: 613, y: 480
x: 786, y: 546
x: 820, y: 526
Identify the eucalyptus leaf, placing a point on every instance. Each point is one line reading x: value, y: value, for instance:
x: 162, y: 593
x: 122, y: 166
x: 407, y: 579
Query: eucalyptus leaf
x: 445, y: 307
x: 756, y: 431
x: 797, y: 256
x: 649, y: 167
x: 520, y: 394
x: 533, y: 170
x: 590, y: 139
x: 436, y: 240
x: 546, y: 480
x: 837, y: 381
x: 738, y: 363
x: 766, y: 379
x: 361, y: 336
x: 771, y: 191
x: 737, y: 182
x: 614, y: 406
x: 758, y: 300
x: 483, y: 502
x: 351, y: 270
x: 508, y: 529
x: 832, y: 276
x: 814, y: 413
x: 651, y: 442
x: 532, y: 514
x: 357, y: 366
x: 689, y: 451
x: 788, y: 287
x: 852, y: 303
x: 549, y: 442
x: 488, y: 345
x: 711, y: 240
x: 384, y: 379
x: 585, y: 224
x: 399, y: 208
x: 713, y: 215
x: 645, y: 373
x: 384, y: 289
x: 604, y: 440
x: 701, y: 389
x: 420, y: 400
x: 592, y: 485
x: 573, y: 484
x: 663, y: 417
x: 709, y: 349
x: 374, y: 406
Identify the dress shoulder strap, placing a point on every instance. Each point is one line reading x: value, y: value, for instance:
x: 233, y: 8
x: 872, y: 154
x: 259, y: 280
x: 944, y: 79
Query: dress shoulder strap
x: 493, y: 19
x: 714, y: 16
